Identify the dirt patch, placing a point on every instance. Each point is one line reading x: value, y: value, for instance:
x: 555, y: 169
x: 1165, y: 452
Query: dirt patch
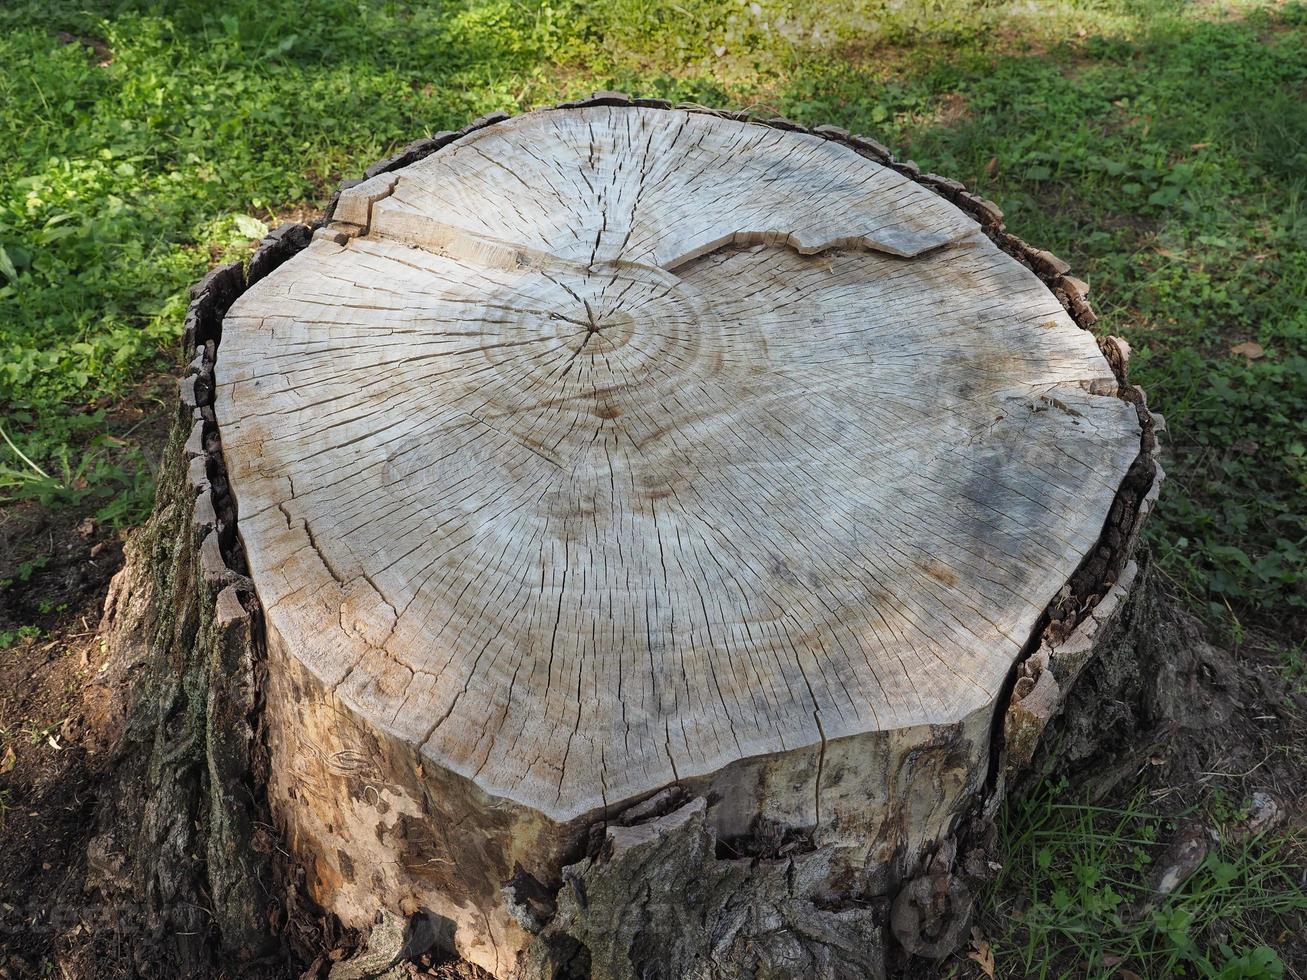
x: 953, y: 109
x: 53, y: 716
x: 300, y: 214
x: 97, y: 49
x: 55, y: 564
x: 58, y: 714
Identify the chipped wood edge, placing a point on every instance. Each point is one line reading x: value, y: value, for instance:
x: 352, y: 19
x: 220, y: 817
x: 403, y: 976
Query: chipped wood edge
x: 214, y: 519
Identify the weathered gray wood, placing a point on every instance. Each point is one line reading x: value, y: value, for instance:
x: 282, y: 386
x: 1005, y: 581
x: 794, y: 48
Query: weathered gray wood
x: 614, y: 448
x: 541, y: 395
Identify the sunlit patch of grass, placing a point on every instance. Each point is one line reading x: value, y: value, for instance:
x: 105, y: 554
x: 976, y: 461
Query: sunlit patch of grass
x: 1155, y: 144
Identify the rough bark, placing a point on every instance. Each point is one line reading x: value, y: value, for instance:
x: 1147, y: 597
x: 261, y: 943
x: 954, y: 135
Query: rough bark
x: 676, y: 885
x: 660, y: 896
x: 183, y: 841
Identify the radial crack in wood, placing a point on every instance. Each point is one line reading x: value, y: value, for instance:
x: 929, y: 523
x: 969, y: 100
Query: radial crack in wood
x: 609, y: 448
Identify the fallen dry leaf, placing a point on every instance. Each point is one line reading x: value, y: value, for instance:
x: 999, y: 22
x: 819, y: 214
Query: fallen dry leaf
x: 1249, y: 349
x: 9, y: 761
x: 981, y: 954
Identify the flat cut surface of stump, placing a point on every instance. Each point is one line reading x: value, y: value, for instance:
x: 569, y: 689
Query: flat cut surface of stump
x: 620, y: 444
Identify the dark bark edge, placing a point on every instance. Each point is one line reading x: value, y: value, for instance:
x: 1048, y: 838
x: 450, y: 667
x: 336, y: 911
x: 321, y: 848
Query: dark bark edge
x: 230, y: 633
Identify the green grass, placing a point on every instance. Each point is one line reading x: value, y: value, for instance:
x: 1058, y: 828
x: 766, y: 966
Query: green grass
x: 1161, y: 147
x: 1074, y: 897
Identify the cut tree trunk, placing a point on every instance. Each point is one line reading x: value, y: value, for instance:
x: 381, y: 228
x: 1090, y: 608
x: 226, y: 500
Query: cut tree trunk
x: 661, y: 536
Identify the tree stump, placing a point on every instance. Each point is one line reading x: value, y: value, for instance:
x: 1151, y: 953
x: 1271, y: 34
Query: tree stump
x: 669, y: 530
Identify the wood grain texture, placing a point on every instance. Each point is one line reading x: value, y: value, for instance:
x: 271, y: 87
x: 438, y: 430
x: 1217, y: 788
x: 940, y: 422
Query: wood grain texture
x: 580, y: 525
x: 611, y: 447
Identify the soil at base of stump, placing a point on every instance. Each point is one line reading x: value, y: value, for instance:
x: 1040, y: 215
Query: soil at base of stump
x: 62, y: 706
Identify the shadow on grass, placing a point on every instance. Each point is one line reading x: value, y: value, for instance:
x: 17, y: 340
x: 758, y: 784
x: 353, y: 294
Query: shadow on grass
x: 1164, y: 157
x: 1171, y: 171
x: 1162, y: 154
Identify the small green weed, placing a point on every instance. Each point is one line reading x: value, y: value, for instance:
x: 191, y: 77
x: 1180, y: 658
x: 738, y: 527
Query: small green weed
x: 1086, y: 908
x: 9, y: 638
